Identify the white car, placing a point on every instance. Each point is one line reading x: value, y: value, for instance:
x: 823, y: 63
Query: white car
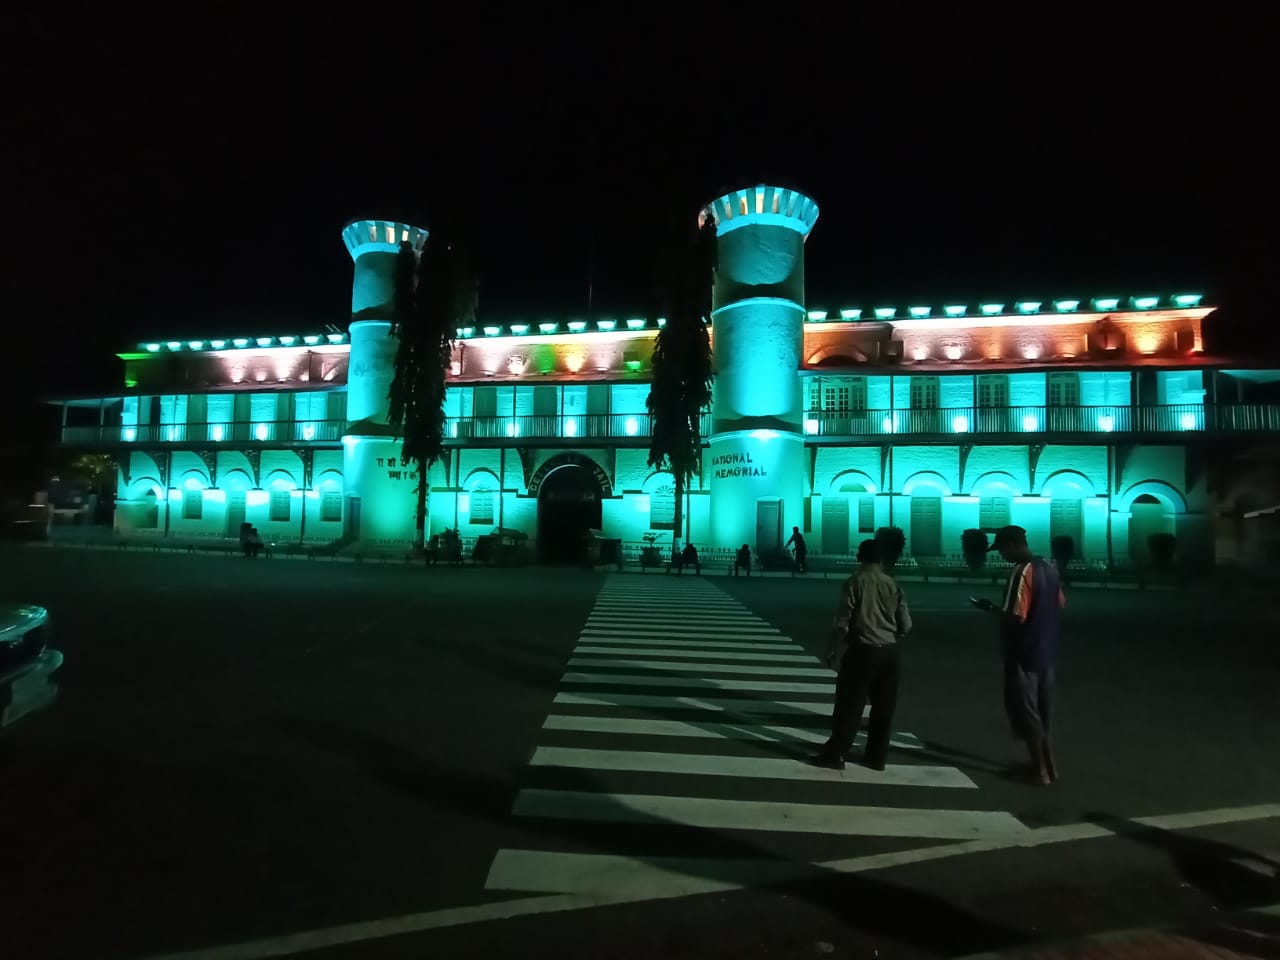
x: 27, y: 664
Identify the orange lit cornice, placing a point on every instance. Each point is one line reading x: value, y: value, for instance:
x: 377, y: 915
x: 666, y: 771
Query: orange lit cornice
x: 1033, y: 322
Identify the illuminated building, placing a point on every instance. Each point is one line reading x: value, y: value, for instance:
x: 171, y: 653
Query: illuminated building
x: 1101, y: 418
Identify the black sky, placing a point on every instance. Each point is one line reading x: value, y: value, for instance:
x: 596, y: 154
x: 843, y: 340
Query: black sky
x: 199, y: 188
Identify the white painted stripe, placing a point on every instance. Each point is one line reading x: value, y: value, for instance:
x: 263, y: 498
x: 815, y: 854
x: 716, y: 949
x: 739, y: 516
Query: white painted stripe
x: 668, y: 666
x: 544, y: 871
x: 707, y: 683
x: 670, y: 586
x: 731, y: 705
x: 663, y: 626
x: 685, y: 597
x: 668, y: 622
x: 797, y: 655
x: 614, y: 643
x: 673, y: 600
x: 698, y: 609
x: 830, y: 819
x: 661, y: 606
x: 717, y: 730
x: 686, y: 634
x: 680, y: 595
x: 681, y: 602
x: 645, y: 883
x: 760, y: 768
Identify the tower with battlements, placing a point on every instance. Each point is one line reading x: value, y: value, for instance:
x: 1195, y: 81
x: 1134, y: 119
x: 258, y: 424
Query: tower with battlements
x: 380, y: 490
x: 755, y: 466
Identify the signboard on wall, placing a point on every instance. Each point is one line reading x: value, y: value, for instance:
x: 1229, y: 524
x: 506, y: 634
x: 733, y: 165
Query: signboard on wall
x: 567, y: 460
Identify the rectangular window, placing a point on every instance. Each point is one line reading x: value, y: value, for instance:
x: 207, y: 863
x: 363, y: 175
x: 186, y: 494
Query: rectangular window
x: 173, y: 417
x: 486, y: 401
x: 813, y: 393
x: 280, y: 505
x: 1066, y: 520
x: 866, y: 513
x: 220, y: 409
x: 192, y: 504
x: 842, y: 394
x: 173, y: 410
x: 629, y: 398
x: 331, y: 507
x: 129, y: 419
x: 1063, y: 389
x: 993, y: 390
x: 309, y: 411
x: 311, y: 406
x: 262, y: 414
x: 994, y: 512
x: 924, y: 393
x: 481, y: 507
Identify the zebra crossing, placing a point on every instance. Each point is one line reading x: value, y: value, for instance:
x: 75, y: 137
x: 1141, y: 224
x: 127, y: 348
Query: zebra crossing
x: 682, y: 723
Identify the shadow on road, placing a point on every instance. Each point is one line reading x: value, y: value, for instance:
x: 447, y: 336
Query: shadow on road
x: 1231, y: 877
x: 871, y: 906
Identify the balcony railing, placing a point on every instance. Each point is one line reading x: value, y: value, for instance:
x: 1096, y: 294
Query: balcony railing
x: 609, y: 426
x: 1059, y: 421
x: 277, y: 431
x: 950, y: 422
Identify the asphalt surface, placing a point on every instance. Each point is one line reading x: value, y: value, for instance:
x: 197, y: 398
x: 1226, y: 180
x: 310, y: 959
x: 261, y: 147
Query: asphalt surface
x: 245, y: 750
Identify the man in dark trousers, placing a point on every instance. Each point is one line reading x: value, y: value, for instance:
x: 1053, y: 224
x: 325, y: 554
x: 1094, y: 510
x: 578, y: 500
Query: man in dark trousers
x: 870, y: 621
x: 1030, y: 627
x: 802, y: 551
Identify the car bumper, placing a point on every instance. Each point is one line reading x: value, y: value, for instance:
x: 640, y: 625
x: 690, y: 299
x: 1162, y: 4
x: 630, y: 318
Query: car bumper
x: 31, y: 687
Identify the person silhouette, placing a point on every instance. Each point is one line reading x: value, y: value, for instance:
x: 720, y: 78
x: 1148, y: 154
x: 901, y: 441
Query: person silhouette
x: 797, y: 538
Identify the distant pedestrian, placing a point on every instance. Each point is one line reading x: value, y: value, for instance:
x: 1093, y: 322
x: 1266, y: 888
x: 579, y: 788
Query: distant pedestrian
x: 797, y: 538
x: 1030, y: 629
x: 689, y: 558
x: 742, y: 561
x: 871, y: 619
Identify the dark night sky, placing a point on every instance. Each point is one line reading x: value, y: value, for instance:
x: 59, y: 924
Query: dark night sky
x: 192, y: 193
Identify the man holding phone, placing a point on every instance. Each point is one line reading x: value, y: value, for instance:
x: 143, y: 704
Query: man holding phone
x: 1030, y: 628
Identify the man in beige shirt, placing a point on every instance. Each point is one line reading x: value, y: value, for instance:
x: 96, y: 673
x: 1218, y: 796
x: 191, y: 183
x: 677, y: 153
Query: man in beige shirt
x: 870, y: 620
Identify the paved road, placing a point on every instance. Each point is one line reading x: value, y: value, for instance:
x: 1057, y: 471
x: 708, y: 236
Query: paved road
x: 372, y: 755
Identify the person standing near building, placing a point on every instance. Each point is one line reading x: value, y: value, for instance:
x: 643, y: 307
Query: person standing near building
x: 871, y: 619
x: 1030, y: 628
x: 797, y: 538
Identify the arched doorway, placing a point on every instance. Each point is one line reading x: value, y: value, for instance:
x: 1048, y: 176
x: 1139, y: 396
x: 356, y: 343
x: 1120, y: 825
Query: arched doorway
x: 1146, y: 518
x: 568, y: 506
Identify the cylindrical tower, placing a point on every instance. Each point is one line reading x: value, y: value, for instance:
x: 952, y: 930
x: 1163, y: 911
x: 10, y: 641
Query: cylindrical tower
x: 380, y: 494
x: 756, y: 457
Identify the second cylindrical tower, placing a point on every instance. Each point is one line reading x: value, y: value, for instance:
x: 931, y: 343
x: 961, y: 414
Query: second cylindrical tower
x: 755, y: 465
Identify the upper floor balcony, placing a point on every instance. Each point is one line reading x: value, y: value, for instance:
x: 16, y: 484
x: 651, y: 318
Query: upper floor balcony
x: 587, y: 426
x: 1062, y: 423
x: 458, y: 430
x: 1093, y: 424
x: 277, y: 432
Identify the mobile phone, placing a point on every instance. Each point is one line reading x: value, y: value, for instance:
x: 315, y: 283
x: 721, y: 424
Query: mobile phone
x: 975, y: 601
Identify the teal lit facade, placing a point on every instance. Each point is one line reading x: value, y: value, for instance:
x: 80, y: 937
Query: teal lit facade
x: 1101, y: 418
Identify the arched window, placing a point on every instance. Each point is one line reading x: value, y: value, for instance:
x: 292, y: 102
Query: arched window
x: 662, y: 506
